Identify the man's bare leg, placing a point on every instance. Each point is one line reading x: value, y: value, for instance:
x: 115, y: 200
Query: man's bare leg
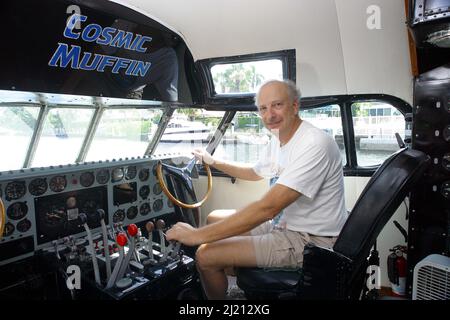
x: 213, y: 258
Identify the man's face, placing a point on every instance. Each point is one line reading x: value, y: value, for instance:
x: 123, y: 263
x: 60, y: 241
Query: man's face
x: 275, y: 108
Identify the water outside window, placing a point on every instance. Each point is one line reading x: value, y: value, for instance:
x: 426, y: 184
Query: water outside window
x: 123, y: 133
x: 16, y: 129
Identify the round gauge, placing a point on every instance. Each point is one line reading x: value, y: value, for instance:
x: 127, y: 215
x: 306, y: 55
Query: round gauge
x: 145, y: 209
x: 157, y: 188
x: 157, y: 205
x: 144, y: 191
x: 103, y: 176
x: 130, y: 172
x: 118, y: 216
x: 144, y: 174
x: 445, y: 191
x: 446, y: 133
x: 17, y: 210
x: 55, y: 217
x: 38, y: 186
x: 15, y: 190
x: 23, y: 225
x: 9, y: 229
x: 446, y: 161
x: 169, y: 203
x: 117, y: 174
x: 87, y: 179
x: 132, y: 212
x: 58, y: 183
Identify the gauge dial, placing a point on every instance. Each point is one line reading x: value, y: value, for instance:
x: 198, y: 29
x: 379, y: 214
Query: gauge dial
x: 9, y: 229
x: 87, y: 179
x: 157, y: 205
x: 23, y: 225
x: 118, y: 216
x: 15, y: 190
x: 102, y: 176
x: 144, y: 174
x: 445, y: 191
x: 132, y: 212
x: 130, y: 172
x: 38, y: 186
x: 117, y: 174
x: 446, y: 133
x: 144, y: 191
x: 157, y: 188
x: 144, y: 209
x: 169, y: 203
x: 17, y: 210
x: 446, y: 161
x: 58, y: 183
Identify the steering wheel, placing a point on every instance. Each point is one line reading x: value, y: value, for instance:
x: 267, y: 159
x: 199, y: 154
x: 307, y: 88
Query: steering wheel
x: 2, y: 218
x: 184, y: 174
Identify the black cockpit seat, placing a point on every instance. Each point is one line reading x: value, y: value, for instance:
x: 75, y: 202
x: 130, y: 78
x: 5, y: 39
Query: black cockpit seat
x: 339, y: 273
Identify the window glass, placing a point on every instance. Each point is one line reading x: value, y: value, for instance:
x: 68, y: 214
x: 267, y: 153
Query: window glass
x: 62, y: 136
x: 16, y: 129
x: 123, y: 133
x: 375, y: 125
x: 189, y: 129
x: 245, y: 77
x: 245, y: 139
x: 328, y: 119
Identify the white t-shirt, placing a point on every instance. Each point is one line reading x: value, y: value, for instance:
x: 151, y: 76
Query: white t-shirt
x: 311, y: 164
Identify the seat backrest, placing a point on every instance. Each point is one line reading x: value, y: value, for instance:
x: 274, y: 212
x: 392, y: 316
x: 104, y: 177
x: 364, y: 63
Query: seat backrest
x: 382, y: 195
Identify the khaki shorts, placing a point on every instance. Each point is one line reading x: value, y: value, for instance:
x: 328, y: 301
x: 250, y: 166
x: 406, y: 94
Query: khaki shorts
x: 283, y: 248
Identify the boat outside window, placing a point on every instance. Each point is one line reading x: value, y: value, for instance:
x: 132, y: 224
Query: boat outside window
x: 188, y: 128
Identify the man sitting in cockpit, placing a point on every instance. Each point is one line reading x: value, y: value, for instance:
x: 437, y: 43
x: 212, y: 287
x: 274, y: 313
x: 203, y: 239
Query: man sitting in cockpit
x: 309, y: 192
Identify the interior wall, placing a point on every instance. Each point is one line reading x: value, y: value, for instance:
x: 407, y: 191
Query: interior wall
x: 336, y: 52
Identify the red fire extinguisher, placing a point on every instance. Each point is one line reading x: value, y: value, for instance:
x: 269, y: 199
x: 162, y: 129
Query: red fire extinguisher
x: 397, y: 270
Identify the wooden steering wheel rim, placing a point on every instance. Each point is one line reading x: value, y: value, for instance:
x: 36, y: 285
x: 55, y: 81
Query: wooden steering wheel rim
x: 164, y: 188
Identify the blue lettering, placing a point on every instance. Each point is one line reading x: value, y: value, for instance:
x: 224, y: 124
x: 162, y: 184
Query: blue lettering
x: 106, y: 61
x: 107, y: 35
x: 90, y: 38
x: 121, y: 63
x: 73, y: 20
x: 141, y: 68
x: 141, y: 43
x: 84, y: 61
x: 61, y: 54
x: 131, y: 68
x: 122, y: 39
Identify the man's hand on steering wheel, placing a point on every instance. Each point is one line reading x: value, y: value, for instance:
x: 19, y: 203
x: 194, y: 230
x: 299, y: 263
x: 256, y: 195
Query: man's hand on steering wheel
x: 203, y: 156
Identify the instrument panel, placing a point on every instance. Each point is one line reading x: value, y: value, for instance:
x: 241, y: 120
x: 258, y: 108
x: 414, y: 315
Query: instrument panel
x: 43, y: 205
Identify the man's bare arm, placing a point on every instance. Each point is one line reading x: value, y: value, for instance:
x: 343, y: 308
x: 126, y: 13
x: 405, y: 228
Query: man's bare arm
x: 244, y: 220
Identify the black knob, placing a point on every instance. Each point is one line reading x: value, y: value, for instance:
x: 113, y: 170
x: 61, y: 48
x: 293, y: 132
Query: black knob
x: 101, y: 214
x: 83, y: 218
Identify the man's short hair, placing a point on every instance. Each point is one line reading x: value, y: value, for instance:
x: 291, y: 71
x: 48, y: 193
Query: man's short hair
x: 293, y: 92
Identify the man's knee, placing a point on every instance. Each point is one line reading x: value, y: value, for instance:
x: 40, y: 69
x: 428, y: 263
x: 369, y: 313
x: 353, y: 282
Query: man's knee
x: 201, y: 257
